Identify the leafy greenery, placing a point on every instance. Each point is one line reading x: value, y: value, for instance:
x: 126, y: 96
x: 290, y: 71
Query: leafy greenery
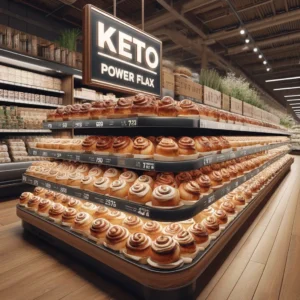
x: 68, y: 38
x: 287, y: 121
x: 211, y: 78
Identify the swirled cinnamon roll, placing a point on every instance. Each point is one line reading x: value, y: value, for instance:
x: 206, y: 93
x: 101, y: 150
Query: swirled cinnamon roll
x: 123, y: 106
x: 216, y: 144
x: 97, y: 110
x: 119, y: 189
x: 165, y: 179
x: 87, y: 183
x: 75, y: 179
x: 84, y: 113
x: 153, y: 229
x: 109, y: 107
x: 203, y: 144
x: 165, y: 195
x: 167, y: 107
x: 83, y: 169
x: 138, y: 244
x: 116, y: 237
x: 165, y: 250
x: 239, y: 201
x: 225, y: 174
x: 145, y: 179
x: 75, y: 203
x: 68, y: 217
x: 232, y: 171
x: 99, y: 228
x: 211, y: 224
x: 123, y: 145
x: 228, y: 207
x: 76, y: 145
x: 221, y: 216
x: 89, y: 144
x: 204, y: 183
x: 183, y: 177
x: 199, y: 232
x: 44, y: 207
x: 167, y: 147
x: 133, y: 224
x: 186, y: 242
x: 188, y: 108
x: 129, y: 177
x: 224, y: 142
x: 75, y: 112
x: 101, y: 212
x: 52, y: 175
x: 56, y: 212
x: 89, y: 207
x: 112, y: 174
x: 216, y: 178
x: 82, y: 223
x: 33, y: 203
x: 186, y: 146
x: 115, y: 217
x: 140, y: 192
x: 189, y: 191
x: 172, y: 229
x: 144, y: 105
x: 102, y: 186
x: 24, y: 198
x: 104, y: 145
x: 96, y: 172
x: 206, y: 170
x: 143, y: 146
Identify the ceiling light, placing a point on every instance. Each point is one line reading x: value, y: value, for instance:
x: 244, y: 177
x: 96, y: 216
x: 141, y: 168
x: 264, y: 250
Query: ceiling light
x: 288, y: 96
x: 247, y: 41
x: 283, y: 79
x: 287, y: 88
x: 292, y: 100
x: 260, y: 56
x: 268, y: 69
x: 242, y: 31
x: 265, y: 62
x: 255, y: 49
x: 295, y: 107
x: 294, y: 104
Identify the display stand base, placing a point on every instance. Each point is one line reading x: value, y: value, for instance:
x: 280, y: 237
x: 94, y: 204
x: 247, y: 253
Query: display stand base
x: 146, y: 283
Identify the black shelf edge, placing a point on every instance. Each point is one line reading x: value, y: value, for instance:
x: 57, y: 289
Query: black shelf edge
x: 179, y: 214
x: 148, y: 164
x: 31, y: 103
x: 160, y: 122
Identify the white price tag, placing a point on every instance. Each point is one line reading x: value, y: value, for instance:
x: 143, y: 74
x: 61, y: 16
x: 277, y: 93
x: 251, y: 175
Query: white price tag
x: 110, y: 203
x: 207, y: 160
x: 35, y: 182
x: 148, y: 166
x: 34, y: 152
x: 24, y: 178
x: 211, y: 199
x: 58, y: 155
x: 63, y: 190
x: 144, y: 212
x: 86, y: 196
x: 99, y: 124
x: 78, y: 124
x: 203, y: 124
x: 48, y: 185
x: 49, y: 125
x: 64, y: 125
x: 99, y: 160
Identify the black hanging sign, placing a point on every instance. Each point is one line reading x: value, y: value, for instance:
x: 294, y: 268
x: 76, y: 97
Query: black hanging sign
x: 118, y: 55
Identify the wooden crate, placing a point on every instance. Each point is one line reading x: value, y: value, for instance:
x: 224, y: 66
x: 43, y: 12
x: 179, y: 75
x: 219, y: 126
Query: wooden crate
x: 168, y: 81
x: 236, y: 106
x: 247, y: 109
x: 187, y: 88
x: 225, y: 102
x: 212, y: 97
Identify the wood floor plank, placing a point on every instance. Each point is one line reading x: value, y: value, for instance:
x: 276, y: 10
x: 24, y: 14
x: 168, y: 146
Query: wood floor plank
x: 290, y: 285
x: 247, y: 283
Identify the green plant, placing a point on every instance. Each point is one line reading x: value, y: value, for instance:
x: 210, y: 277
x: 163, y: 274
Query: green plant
x: 211, y: 78
x: 68, y: 39
x: 287, y: 121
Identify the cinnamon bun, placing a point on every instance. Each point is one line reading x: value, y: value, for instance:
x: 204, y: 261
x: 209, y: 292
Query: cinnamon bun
x: 89, y: 207
x: 62, y: 178
x: 104, y: 145
x: 199, y: 233
x: 189, y: 191
x: 115, y: 217
x: 44, y: 207
x: 221, y: 216
x: 188, y: 108
x: 186, y: 147
x: 212, y: 226
x: 82, y: 223
x: 167, y: 148
x: 225, y: 174
x: 143, y: 105
x: 75, y: 179
x: 143, y: 148
x: 56, y: 211
x: 216, y: 144
x: 133, y: 224
x: 183, y: 177
x: 167, y: 107
x: 140, y: 192
x: 145, y: 179
x: 116, y: 238
x: 24, y: 198
x: 123, y: 107
x: 68, y: 217
x: 138, y: 245
x: 172, y: 229
x: 216, y: 178
x: 75, y: 203
x: 95, y: 172
x: 119, y: 189
x: 98, y: 230
x: 83, y: 169
x: 87, y: 183
x: 129, y: 177
x: 165, y: 195
x: 33, y: 203
x: 102, y: 186
x: 153, y: 229
x: 186, y: 243
x: 123, y: 145
x: 203, y: 144
x: 165, y: 179
x: 89, y: 144
x: 101, y: 212
x: 204, y: 183
x: 112, y: 174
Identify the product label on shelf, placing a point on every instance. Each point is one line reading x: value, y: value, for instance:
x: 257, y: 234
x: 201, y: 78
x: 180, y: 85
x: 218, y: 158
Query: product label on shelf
x: 236, y: 106
x: 118, y: 55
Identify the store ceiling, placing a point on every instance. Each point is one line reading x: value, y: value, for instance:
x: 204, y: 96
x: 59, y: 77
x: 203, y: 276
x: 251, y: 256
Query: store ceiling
x: 186, y: 27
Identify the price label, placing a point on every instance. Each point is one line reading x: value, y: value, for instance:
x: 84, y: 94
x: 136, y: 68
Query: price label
x: 144, y: 212
x: 148, y: 166
x: 77, y: 157
x: 111, y: 203
x: 34, y: 152
x: 99, y: 160
x: 58, y: 155
x: 63, y: 190
x: 64, y: 125
x: 78, y: 124
x: 48, y: 185
x: 99, y: 124
x: 86, y: 196
x: 227, y: 189
x: 211, y: 199
x: 49, y: 125
x: 35, y: 182
x: 203, y: 124
x: 236, y: 184
x: 232, y: 155
x: 207, y: 160
x: 24, y: 178
x: 220, y: 158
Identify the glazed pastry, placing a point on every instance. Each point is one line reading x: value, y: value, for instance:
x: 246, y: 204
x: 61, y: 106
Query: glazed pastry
x: 68, y: 217
x: 172, y: 229
x: 83, y: 169
x: 186, y: 242
x: 212, y: 226
x: 216, y: 144
x: 165, y: 250
x: 195, y: 174
x: 115, y: 217
x: 140, y: 192
x: 186, y: 147
x: 204, y: 183
x: 33, y: 203
x: 24, y: 198
x: 119, y: 189
x: 167, y: 107
x: 215, y: 167
x: 143, y: 148
x: 123, y: 145
x: 189, y: 191
x: 202, y: 144
x: 101, y: 212
x: 129, y: 177
x: 145, y: 179
x: 206, y: 170
x: 165, y: 179
x: 143, y: 105
x: 199, y: 233
x: 112, y: 174
x: 95, y: 172
x: 62, y: 178
x: 75, y: 180
x: 104, y: 145
x: 89, y: 144
x: 102, y: 186
x: 216, y: 178
x: 239, y: 201
x: 52, y: 175
x: 75, y: 112
x: 133, y: 224
x: 183, y: 177
x: 76, y: 145
x: 99, y: 230
x: 82, y: 223
x: 89, y: 207
x: 109, y: 107
x: 56, y: 212
x: 188, y: 108
x: 167, y: 148
x: 221, y: 216
x: 152, y: 174
x: 232, y: 171
x: 165, y: 195
x: 224, y: 142
x: 44, y: 207
x: 123, y: 106
x: 97, y: 110
x: 153, y: 229
x: 87, y: 183
x: 116, y: 238
x: 75, y: 203
x: 138, y: 244
x: 225, y: 174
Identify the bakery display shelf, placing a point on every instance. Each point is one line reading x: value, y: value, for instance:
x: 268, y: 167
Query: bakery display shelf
x: 31, y: 87
x: 13, y: 170
x: 18, y: 101
x: 148, y: 164
x: 160, y: 122
x: 25, y: 130
x: 167, y: 215
x: 144, y: 280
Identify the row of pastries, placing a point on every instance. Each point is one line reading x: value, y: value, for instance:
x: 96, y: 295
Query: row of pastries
x: 162, y: 190
x: 161, y: 245
x: 147, y: 105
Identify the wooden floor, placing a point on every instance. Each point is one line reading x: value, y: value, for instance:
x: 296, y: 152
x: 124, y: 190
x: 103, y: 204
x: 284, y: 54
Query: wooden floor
x: 262, y: 262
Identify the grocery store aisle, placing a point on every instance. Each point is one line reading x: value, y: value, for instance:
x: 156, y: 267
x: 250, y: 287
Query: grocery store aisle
x: 263, y: 264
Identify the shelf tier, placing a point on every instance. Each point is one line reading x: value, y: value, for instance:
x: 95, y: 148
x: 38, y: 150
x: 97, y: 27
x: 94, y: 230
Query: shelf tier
x: 167, y: 215
x: 18, y: 101
x: 31, y: 87
x: 25, y: 131
x: 160, y: 122
x: 147, y: 278
x: 84, y: 98
x: 151, y: 165
x: 13, y: 171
